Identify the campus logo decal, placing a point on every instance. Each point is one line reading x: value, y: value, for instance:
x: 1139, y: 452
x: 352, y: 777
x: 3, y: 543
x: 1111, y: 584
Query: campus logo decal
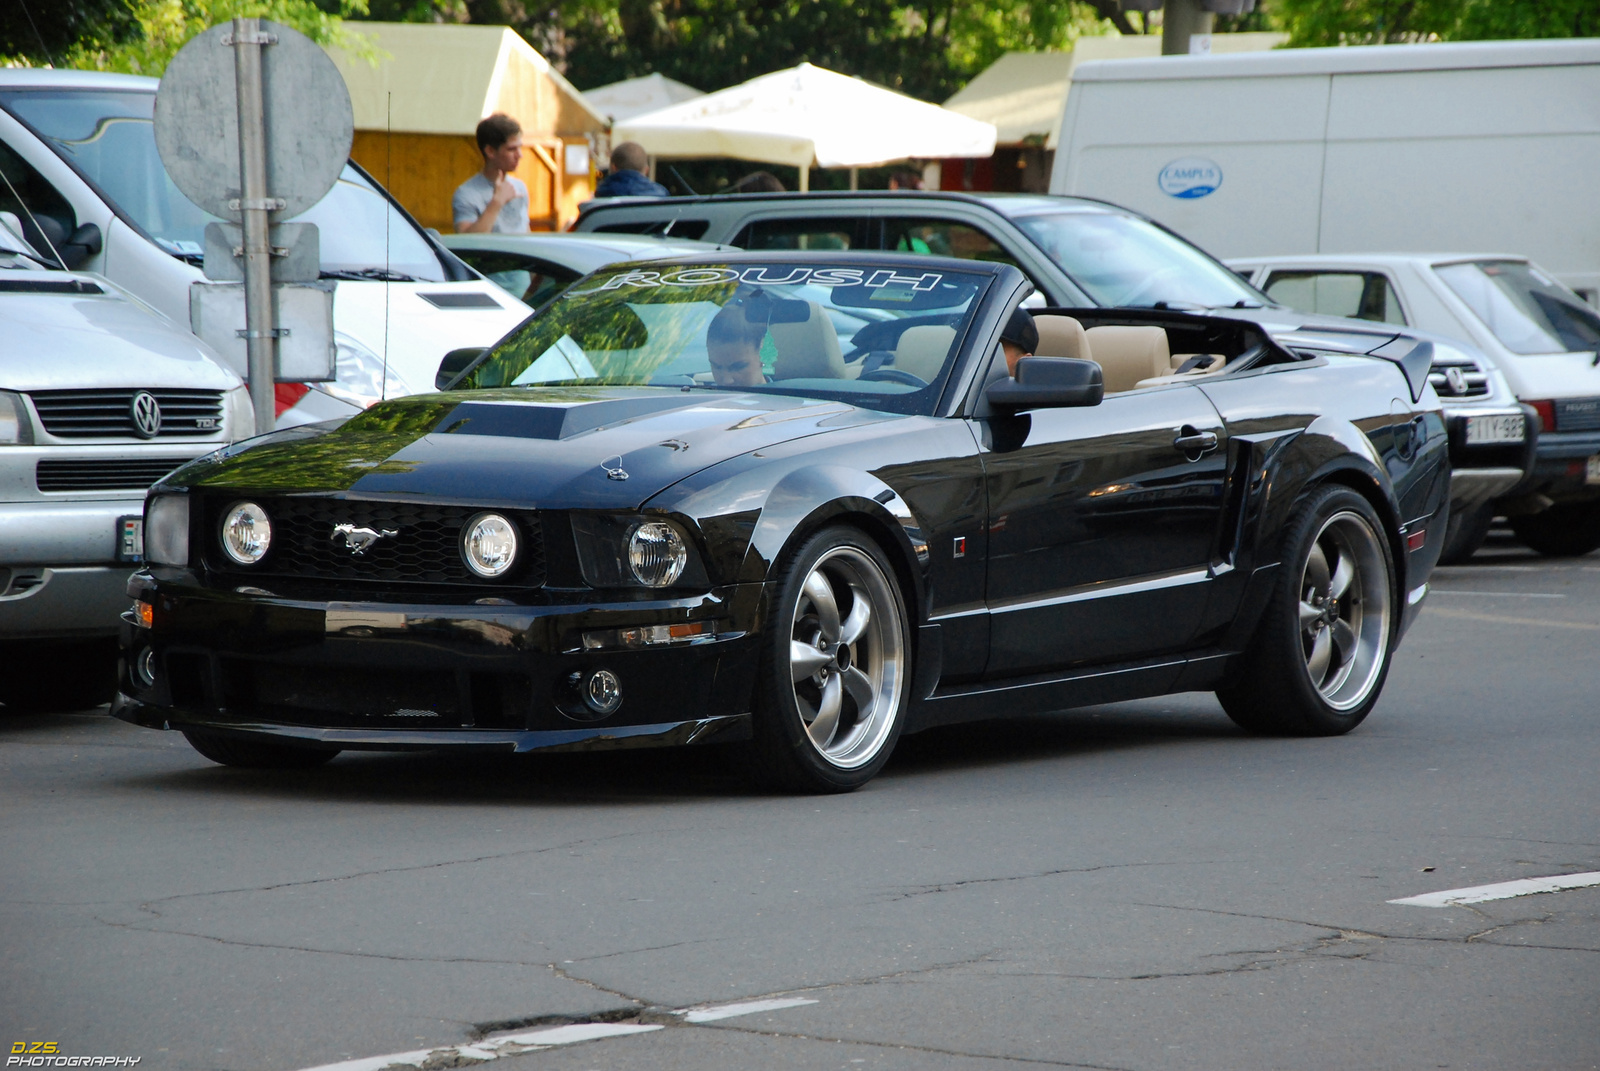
x: 1190, y: 177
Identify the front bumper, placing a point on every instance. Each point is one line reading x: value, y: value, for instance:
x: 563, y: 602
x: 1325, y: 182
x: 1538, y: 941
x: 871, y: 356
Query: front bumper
x: 390, y: 675
x: 1561, y: 466
x: 70, y: 602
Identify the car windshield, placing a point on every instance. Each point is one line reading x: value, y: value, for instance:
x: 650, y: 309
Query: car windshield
x: 1528, y: 311
x: 109, y: 137
x: 877, y: 337
x: 1122, y: 261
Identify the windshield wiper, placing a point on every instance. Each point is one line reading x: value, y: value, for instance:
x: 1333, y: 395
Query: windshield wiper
x: 1241, y: 304
x: 382, y: 275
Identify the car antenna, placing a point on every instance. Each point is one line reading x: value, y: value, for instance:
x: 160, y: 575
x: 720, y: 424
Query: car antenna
x: 682, y: 181
x: 388, y: 212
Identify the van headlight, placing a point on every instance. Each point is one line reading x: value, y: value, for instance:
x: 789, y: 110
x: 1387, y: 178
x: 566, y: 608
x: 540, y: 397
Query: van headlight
x: 238, y: 414
x: 361, y: 377
x: 634, y: 551
x: 166, y: 530
x: 15, y: 427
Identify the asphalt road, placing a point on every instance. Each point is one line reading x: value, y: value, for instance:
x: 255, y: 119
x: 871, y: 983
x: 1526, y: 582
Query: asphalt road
x: 1135, y: 886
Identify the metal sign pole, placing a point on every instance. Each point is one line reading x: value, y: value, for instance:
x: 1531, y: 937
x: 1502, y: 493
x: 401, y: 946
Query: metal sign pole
x: 261, y: 335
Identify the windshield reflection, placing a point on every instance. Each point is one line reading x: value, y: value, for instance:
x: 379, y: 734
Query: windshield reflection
x: 1121, y: 261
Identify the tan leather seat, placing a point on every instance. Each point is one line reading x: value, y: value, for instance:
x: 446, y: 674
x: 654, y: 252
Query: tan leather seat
x: 1061, y: 336
x: 1218, y: 363
x: 1127, y: 355
x: 922, y: 350
x: 808, y: 350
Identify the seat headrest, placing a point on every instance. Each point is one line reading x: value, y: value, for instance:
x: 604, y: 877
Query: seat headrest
x: 1061, y: 336
x: 809, y: 349
x: 1127, y: 355
x: 922, y: 350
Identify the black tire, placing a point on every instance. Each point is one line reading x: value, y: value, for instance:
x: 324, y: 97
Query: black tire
x: 1281, y: 684
x: 1465, y: 533
x: 861, y: 654
x: 1565, y: 530
x: 230, y: 750
x: 58, y: 675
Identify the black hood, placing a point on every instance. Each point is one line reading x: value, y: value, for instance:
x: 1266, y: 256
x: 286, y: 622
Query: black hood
x: 557, y: 448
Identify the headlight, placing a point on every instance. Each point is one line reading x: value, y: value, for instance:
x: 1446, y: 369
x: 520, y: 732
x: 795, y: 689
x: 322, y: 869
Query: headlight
x: 15, y: 427
x: 634, y: 551
x: 361, y: 377
x: 246, y: 533
x: 239, y: 415
x: 489, y: 545
x: 656, y: 554
x: 166, y: 530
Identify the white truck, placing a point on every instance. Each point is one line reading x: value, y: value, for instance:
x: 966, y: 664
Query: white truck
x: 1389, y: 148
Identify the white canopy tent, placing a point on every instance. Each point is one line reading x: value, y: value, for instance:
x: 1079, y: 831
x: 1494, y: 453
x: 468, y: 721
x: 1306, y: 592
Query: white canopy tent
x: 808, y: 117
x: 636, y: 96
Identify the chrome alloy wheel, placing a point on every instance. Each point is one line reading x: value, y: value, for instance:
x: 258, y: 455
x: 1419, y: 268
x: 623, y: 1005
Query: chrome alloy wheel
x: 847, y: 657
x: 1345, y: 610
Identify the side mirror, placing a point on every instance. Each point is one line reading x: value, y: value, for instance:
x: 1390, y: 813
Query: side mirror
x: 82, y: 244
x: 1048, y: 383
x: 456, y: 362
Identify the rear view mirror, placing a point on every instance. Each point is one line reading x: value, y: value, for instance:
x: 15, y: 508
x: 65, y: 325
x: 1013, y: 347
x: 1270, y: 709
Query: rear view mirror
x: 761, y: 309
x: 1048, y: 383
x: 455, y: 362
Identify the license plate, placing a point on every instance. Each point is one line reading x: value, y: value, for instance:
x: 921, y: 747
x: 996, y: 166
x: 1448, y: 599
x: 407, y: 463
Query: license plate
x: 1591, y: 472
x: 130, y: 539
x: 1506, y: 428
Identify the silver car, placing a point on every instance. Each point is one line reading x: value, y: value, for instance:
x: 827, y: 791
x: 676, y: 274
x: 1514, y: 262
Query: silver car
x: 100, y: 396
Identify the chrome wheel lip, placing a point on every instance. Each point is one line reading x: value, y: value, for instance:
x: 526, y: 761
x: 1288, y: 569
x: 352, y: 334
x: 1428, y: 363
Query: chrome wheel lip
x: 847, y: 660
x: 1345, y: 611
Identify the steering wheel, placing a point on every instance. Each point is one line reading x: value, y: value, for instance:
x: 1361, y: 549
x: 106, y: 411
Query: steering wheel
x: 893, y: 375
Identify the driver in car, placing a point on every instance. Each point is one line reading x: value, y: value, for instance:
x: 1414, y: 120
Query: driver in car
x: 1019, y: 339
x: 733, y: 346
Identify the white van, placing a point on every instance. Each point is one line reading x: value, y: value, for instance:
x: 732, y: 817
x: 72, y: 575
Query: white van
x: 81, y: 172
x: 1392, y: 148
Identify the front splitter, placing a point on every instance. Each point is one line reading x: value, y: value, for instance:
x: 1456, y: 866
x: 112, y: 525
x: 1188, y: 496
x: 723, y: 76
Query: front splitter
x: 725, y: 729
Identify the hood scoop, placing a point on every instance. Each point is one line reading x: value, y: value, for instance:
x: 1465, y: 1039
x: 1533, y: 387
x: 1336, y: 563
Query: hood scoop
x: 521, y: 420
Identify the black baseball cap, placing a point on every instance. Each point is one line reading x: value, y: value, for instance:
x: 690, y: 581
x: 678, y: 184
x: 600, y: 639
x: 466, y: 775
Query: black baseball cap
x: 1021, y: 331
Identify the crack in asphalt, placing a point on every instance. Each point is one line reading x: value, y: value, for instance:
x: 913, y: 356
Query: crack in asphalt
x: 949, y: 886
x: 904, y: 1047
x: 1472, y: 938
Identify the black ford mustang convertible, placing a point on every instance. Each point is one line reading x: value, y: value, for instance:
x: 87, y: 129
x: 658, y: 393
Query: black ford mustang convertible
x: 801, y: 503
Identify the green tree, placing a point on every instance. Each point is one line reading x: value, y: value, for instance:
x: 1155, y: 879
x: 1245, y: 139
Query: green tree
x: 1369, y: 22
x: 141, y: 36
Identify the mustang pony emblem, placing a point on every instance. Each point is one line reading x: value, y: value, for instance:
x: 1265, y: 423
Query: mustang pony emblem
x: 357, y: 540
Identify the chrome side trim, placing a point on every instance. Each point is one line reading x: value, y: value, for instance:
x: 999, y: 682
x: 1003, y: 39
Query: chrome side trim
x: 1105, y: 590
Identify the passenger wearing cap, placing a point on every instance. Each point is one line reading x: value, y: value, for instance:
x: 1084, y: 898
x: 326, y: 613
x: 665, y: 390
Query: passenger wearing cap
x: 1019, y: 339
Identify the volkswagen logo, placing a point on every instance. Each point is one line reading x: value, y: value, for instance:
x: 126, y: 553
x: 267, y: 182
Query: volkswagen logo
x: 146, y: 413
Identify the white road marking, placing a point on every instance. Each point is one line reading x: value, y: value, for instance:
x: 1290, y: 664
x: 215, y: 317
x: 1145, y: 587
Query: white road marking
x: 1504, y: 890
x: 1500, y: 619
x: 1499, y: 594
x: 515, y: 1043
x: 749, y: 1007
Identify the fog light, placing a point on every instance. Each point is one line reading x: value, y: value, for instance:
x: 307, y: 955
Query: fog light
x: 602, y: 692
x: 246, y: 533
x: 489, y: 545
x: 144, y: 668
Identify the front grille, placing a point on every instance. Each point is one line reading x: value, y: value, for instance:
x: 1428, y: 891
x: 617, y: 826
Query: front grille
x: 1578, y: 414
x: 80, y: 414
x: 1468, y: 380
x: 425, y: 548
x: 103, y: 474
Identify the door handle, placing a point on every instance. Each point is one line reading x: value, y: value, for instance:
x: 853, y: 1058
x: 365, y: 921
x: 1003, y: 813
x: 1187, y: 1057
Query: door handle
x: 1195, y: 442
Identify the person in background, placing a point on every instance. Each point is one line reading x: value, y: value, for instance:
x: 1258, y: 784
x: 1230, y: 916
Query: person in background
x: 494, y: 200
x: 629, y: 162
x: 758, y: 182
x: 1019, y: 339
x: 905, y: 180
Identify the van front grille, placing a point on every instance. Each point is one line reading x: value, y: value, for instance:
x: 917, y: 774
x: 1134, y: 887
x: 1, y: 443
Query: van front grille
x: 103, y: 474
x: 100, y: 414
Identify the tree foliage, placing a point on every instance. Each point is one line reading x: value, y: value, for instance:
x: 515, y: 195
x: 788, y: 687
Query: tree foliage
x: 1367, y: 22
x: 142, y: 36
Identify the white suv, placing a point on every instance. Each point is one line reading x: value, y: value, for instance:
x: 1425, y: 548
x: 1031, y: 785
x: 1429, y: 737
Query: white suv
x: 100, y: 396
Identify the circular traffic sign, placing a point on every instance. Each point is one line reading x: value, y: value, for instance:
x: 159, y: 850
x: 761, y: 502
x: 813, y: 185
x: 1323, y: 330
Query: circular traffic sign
x: 309, y: 124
